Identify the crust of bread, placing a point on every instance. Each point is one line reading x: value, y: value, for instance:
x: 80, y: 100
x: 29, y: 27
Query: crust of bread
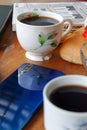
x: 70, y: 49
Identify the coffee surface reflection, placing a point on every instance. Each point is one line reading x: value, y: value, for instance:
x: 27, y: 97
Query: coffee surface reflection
x: 72, y: 98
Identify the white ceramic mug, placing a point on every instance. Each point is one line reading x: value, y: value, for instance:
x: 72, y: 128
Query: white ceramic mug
x: 56, y: 118
x: 40, y: 41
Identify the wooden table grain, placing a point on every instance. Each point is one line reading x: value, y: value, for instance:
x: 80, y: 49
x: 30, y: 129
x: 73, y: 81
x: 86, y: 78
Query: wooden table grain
x: 12, y: 56
x: 15, y: 1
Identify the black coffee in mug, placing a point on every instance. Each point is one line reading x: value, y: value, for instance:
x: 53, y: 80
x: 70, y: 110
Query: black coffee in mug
x: 40, y: 21
x: 72, y: 98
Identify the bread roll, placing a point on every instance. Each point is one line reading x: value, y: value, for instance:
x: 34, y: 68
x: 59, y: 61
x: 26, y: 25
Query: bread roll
x: 70, y: 49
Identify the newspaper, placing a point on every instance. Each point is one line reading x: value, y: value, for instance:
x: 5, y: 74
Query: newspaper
x: 76, y: 11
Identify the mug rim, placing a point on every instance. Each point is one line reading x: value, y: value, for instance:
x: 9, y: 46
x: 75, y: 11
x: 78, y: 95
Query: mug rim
x: 47, y: 12
x: 61, y: 110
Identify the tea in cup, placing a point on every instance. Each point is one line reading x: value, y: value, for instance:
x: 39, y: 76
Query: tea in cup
x: 40, y: 32
x: 65, y: 106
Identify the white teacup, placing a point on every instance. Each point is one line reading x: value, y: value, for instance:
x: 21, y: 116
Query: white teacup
x: 57, y: 118
x: 40, y: 41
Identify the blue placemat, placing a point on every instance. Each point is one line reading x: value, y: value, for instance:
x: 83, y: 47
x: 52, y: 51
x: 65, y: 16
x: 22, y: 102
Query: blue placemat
x: 17, y: 104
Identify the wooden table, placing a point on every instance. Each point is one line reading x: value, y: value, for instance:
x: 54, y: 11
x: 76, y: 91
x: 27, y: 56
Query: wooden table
x: 12, y: 56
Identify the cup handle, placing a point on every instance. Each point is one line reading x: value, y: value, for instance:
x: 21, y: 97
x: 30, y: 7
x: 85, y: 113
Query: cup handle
x: 68, y: 23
